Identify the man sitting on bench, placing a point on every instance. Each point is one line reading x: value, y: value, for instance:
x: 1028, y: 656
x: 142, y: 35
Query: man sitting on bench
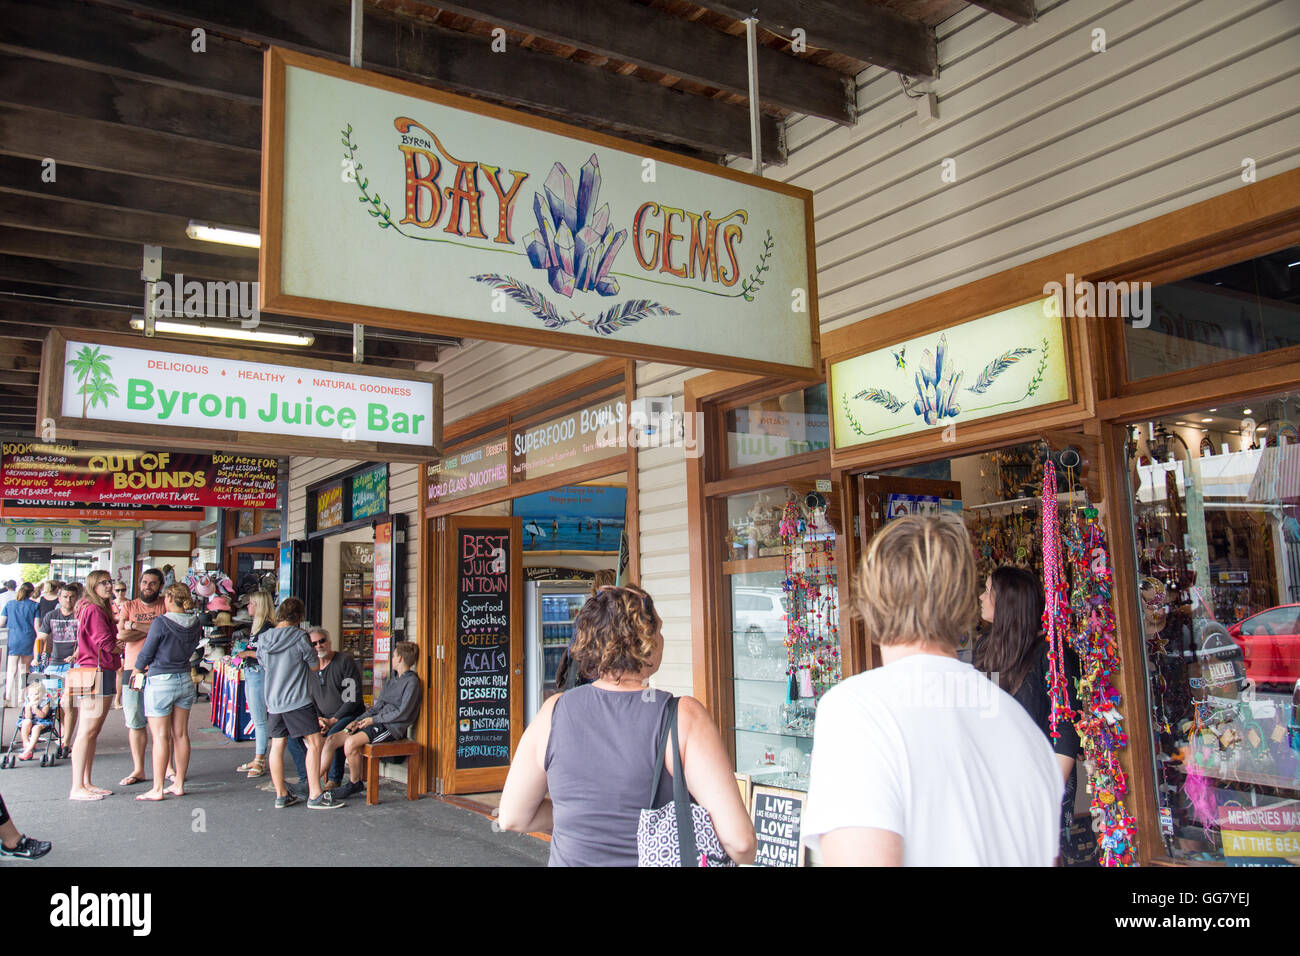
x: 388, y: 719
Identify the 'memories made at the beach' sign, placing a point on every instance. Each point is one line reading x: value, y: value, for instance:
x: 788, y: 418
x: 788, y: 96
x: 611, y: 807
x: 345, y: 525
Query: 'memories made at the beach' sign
x: 401, y: 206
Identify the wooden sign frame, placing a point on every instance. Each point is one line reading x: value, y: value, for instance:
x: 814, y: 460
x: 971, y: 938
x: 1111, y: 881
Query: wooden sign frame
x: 274, y: 299
x: 49, y: 406
x: 1079, y: 404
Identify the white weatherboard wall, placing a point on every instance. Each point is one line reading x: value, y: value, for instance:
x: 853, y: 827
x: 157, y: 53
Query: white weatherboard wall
x: 1053, y: 144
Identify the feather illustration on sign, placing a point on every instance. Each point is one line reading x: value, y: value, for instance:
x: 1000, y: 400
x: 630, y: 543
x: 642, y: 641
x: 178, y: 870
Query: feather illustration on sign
x: 881, y: 397
x: 996, y: 368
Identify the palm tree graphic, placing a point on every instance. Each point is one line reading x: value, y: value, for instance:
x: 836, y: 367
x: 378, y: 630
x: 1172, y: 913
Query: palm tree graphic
x: 90, y: 365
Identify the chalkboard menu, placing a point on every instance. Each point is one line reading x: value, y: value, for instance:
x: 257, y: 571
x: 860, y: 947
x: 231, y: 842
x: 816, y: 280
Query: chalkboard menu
x: 778, y: 824
x: 482, y: 648
x: 370, y: 492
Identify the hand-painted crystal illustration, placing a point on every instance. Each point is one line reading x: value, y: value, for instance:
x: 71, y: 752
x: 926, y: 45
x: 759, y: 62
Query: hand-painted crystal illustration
x: 937, y: 382
x: 574, y: 241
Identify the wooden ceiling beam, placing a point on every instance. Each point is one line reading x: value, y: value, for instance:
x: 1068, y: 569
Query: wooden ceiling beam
x: 860, y: 30
x: 45, y: 277
x: 34, y: 319
x: 64, y: 295
x: 1017, y: 11
x: 121, y: 255
x: 630, y: 31
x: 19, y: 174
x: 465, y: 63
x: 77, y: 91
x: 84, y: 34
x: 48, y: 214
x: 72, y: 276
x: 95, y: 144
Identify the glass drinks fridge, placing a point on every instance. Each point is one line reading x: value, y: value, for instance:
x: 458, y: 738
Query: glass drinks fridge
x: 550, y: 608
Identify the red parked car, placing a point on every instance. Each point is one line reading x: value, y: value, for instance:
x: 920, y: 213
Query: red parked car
x: 1270, y: 642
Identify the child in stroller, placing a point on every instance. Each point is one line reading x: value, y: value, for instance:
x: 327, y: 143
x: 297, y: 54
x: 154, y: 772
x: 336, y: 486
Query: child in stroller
x: 40, y: 714
x: 36, y: 718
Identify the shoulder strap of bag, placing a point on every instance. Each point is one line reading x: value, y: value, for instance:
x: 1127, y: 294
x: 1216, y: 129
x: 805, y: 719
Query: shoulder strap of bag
x: 681, y: 797
x: 670, y: 721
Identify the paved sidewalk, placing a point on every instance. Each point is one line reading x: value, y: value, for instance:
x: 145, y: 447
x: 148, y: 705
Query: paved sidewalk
x: 226, y: 819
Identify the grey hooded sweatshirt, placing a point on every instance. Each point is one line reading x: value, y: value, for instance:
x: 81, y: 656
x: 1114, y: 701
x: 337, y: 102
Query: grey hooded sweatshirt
x: 170, y: 643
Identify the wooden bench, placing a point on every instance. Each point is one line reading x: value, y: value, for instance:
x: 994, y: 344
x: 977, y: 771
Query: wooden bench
x: 396, y: 748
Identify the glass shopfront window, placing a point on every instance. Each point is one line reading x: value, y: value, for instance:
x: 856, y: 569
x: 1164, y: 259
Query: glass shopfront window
x: 1243, y: 309
x: 1215, y: 499
x: 778, y: 427
x: 781, y: 576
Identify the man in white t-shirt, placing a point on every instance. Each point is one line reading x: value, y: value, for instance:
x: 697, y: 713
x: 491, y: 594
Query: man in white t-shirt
x: 923, y: 761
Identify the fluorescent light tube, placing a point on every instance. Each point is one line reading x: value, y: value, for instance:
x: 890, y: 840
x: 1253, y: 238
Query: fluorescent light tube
x: 202, y: 330
x: 230, y: 235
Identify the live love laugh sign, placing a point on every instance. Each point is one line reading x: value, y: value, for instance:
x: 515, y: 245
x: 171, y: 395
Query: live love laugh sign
x: 102, y: 386
x: 401, y: 206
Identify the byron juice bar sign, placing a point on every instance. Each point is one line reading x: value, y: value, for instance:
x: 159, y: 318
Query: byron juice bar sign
x: 164, y: 389
x: 480, y: 221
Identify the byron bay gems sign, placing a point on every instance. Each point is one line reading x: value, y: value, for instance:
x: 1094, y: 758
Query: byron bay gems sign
x: 401, y: 206
x: 99, y: 386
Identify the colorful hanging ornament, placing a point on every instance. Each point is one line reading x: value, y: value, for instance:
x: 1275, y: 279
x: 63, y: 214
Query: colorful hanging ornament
x: 1056, y: 616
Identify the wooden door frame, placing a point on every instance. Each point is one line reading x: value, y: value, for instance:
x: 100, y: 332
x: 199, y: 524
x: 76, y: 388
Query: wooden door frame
x: 708, y: 482
x: 443, y: 753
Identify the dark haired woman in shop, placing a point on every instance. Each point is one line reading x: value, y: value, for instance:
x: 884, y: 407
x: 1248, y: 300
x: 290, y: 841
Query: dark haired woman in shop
x: 1014, y: 653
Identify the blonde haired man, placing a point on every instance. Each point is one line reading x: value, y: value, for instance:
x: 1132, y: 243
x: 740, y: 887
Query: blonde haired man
x: 924, y: 761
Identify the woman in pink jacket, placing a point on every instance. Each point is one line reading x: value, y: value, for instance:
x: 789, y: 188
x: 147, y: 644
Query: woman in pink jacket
x: 98, y: 647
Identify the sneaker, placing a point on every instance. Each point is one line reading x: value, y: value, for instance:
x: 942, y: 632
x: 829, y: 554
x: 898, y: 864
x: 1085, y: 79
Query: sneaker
x: 299, y: 790
x: 325, y: 801
x: 348, y: 789
x: 27, y: 848
x: 287, y: 800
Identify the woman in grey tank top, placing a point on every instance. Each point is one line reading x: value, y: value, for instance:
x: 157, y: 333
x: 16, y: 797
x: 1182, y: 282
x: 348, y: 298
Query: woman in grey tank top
x: 594, y: 747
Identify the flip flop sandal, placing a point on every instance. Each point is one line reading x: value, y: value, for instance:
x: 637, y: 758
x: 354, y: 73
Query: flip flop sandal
x: 88, y: 797
x: 131, y: 781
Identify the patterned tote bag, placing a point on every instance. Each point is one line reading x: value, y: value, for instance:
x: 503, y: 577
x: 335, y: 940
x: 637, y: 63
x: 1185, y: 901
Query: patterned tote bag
x: 679, y: 833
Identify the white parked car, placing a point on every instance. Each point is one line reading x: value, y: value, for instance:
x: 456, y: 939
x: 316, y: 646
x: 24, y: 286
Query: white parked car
x: 758, y: 614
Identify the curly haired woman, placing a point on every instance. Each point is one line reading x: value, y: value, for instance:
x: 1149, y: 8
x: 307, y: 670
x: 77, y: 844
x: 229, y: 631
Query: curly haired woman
x: 594, y: 747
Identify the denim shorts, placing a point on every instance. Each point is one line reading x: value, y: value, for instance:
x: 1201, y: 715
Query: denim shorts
x: 162, y: 692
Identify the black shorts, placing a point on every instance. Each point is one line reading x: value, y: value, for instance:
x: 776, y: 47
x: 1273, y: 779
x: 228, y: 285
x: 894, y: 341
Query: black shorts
x: 377, y: 734
x: 296, y: 723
